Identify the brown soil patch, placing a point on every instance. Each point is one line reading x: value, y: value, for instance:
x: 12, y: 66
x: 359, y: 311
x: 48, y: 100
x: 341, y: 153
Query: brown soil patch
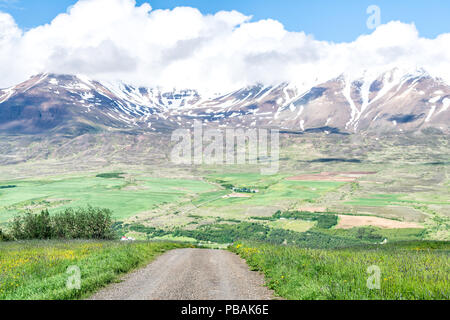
x: 134, y: 188
x: 237, y: 195
x: 348, y: 222
x: 332, y: 176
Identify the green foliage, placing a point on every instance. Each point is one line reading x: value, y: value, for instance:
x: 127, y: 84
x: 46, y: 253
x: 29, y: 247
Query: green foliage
x: 226, y: 233
x: 263, y: 218
x: 415, y: 270
x: 4, y: 236
x: 309, y: 239
x: 374, y: 234
x: 150, y: 231
x: 82, y: 223
x: 229, y: 233
x: 324, y: 220
x: 327, y: 221
x: 112, y: 175
x: 244, y: 190
x: 8, y: 187
x: 32, y: 226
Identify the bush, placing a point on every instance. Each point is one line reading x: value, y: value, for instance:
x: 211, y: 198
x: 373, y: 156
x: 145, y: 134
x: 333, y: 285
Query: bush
x: 31, y: 226
x: 327, y: 221
x: 4, y: 236
x: 112, y: 175
x: 82, y: 223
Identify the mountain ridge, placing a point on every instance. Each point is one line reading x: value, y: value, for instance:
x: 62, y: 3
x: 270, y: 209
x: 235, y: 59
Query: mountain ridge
x: 393, y: 101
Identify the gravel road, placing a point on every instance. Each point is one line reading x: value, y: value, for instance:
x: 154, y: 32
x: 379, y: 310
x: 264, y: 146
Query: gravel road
x: 190, y: 274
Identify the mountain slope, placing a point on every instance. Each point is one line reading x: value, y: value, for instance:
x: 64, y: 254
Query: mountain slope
x: 393, y: 101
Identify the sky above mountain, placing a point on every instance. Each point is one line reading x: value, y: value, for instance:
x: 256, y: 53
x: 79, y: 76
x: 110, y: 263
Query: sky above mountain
x: 328, y: 20
x: 218, y: 45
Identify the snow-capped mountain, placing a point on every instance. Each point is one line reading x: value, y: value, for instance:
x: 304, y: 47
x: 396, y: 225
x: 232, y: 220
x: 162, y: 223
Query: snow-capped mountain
x: 393, y: 101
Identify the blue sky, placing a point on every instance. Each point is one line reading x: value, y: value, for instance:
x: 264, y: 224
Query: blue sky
x: 329, y: 20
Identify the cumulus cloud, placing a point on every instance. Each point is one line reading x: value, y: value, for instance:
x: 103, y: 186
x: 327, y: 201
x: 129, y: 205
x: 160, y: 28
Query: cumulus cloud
x: 118, y: 40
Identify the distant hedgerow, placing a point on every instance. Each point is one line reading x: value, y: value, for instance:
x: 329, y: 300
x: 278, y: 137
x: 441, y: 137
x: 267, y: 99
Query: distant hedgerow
x: 324, y: 220
x: 112, y: 175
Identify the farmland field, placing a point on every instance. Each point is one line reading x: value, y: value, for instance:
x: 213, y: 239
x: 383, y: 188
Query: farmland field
x: 124, y: 196
x: 407, y: 194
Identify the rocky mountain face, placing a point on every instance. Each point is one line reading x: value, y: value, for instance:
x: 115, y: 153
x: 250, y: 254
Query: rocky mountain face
x: 390, y: 102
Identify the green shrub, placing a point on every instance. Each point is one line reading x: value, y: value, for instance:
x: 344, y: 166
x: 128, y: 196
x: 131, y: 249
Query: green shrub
x: 8, y: 187
x: 327, y: 221
x: 4, y: 236
x: 324, y: 220
x: 150, y: 231
x: 32, y: 226
x: 82, y: 223
x: 112, y: 175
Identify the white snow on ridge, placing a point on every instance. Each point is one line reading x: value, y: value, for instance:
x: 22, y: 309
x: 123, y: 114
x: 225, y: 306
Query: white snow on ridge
x: 445, y: 105
x: 54, y: 82
x: 435, y: 99
x: 347, y: 94
x: 6, y: 94
x: 302, y: 125
x: 397, y: 80
x: 430, y: 114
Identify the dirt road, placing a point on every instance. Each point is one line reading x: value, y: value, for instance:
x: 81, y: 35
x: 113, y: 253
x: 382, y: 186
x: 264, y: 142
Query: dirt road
x: 190, y: 274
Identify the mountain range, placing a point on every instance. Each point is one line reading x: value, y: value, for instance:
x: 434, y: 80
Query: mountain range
x: 392, y: 101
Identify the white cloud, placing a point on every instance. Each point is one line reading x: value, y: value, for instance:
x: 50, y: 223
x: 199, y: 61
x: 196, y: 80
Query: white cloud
x: 117, y: 40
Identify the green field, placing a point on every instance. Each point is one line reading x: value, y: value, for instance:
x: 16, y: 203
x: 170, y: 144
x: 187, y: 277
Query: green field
x: 409, y: 271
x: 125, y: 197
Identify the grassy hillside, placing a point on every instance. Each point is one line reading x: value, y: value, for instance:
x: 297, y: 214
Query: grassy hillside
x: 409, y: 270
x: 38, y: 270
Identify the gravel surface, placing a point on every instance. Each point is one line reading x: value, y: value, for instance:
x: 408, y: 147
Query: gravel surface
x: 190, y: 274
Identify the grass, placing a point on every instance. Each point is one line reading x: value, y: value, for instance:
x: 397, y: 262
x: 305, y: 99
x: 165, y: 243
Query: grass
x: 37, y: 270
x: 392, y: 235
x: 124, y: 198
x: 409, y: 270
x: 273, y: 190
x: 387, y: 199
x: 294, y: 225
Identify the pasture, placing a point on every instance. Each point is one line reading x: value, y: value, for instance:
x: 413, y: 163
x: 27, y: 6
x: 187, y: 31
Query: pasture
x: 124, y: 196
